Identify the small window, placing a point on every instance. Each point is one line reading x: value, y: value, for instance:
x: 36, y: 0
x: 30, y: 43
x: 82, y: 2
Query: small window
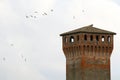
x: 97, y: 38
x: 103, y: 38
x: 108, y: 38
x: 91, y: 38
x: 85, y: 37
x: 77, y: 37
x: 72, y: 39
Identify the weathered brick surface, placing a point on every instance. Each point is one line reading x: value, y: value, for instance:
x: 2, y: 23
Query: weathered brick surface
x: 87, y: 55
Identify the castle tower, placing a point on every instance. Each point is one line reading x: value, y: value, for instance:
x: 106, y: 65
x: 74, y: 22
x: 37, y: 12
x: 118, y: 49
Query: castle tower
x: 87, y: 51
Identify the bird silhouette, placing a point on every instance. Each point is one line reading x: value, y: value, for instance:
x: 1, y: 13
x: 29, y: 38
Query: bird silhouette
x: 83, y: 11
x: 35, y: 12
x: 25, y: 59
x: 11, y: 44
x: 4, y: 59
x: 35, y: 17
x: 27, y: 17
x: 21, y: 55
x: 51, y: 10
x: 31, y: 16
x: 44, y: 13
x: 73, y: 17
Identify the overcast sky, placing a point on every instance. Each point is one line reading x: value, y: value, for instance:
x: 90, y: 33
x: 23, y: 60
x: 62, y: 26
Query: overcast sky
x: 30, y: 45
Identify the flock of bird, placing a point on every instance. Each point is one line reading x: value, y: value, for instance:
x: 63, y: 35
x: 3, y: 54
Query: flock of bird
x: 4, y: 59
x: 43, y: 14
x: 34, y: 16
x: 36, y: 13
x: 82, y: 12
x: 24, y: 58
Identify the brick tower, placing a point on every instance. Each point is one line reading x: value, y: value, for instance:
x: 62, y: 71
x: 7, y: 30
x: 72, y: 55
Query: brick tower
x: 87, y: 51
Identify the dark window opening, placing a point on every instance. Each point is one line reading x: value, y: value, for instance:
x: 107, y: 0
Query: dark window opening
x: 77, y: 37
x: 91, y: 38
x: 97, y: 38
x: 72, y: 39
x: 85, y: 37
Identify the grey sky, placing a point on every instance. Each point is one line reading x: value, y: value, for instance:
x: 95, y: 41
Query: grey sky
x: 32, y: 47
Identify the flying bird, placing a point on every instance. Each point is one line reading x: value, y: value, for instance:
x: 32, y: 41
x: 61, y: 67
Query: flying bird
x: 21, y: 55
x: 25, y: 59
x: 11, y: 44
x: 73, y: 17
x: 51, y: 10
x: 35, y: 12
x: 4, y: 59
x: 27, y: 17
x: 83, y: 11
x: 44, y: 13
x: 31, y: 16
x: 35, y: 17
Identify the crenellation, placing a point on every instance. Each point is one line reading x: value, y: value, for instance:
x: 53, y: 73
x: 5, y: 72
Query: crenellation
x: 105, y: 40
x: 88, y: 53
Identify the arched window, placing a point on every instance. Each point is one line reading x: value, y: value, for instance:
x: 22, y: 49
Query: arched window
x: 91, y: 38
x: 72, y: 39
x: 108, y: 38
x: 85, y: 37
x: 103, y: 38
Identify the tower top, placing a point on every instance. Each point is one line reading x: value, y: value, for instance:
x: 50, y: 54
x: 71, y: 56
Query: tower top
x: 88, y: 29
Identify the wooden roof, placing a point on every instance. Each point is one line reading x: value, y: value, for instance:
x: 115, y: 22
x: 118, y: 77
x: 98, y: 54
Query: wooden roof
x: 88, y: 29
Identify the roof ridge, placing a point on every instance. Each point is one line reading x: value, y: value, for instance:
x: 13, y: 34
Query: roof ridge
x: 88, y: 29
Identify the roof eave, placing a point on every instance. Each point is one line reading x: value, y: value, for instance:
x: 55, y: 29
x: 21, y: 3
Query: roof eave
x: 112, y: 33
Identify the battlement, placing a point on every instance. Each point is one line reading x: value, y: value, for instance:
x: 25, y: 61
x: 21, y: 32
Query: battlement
x: 87, y: 51
x: 88, y: 44
x: 85, y: 38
